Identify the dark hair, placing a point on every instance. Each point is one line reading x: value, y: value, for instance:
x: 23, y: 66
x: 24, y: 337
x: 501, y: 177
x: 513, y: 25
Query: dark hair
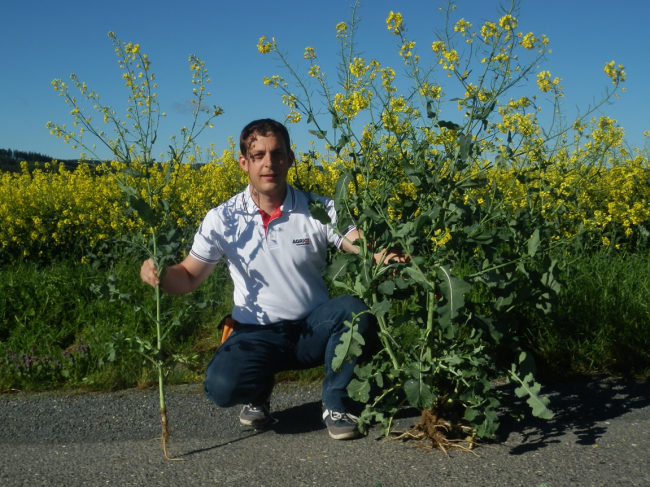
x: 263, y: 127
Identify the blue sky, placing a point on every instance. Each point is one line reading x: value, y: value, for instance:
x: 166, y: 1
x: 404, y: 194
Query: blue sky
x: 42, y: 40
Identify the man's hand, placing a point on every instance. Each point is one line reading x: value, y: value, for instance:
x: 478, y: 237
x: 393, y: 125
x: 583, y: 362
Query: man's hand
x: 384, y: 256
x: 388, y: 256
x: 149, y: 273
x: 178, y: 279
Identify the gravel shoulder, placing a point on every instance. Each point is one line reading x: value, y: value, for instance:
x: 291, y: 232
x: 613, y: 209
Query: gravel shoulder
x: 599, y: 436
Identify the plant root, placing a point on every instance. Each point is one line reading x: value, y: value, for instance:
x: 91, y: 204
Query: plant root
x: 433, y: 431
x: 165, y: 435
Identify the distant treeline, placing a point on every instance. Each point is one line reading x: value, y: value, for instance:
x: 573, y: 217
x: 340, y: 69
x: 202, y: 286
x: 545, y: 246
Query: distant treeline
x: 10, y: 160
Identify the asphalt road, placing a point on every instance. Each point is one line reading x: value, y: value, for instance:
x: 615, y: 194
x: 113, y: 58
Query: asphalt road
x: 599, y: 436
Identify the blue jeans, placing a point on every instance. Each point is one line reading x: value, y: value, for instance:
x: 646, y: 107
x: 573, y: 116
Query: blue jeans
x: 242, y: 371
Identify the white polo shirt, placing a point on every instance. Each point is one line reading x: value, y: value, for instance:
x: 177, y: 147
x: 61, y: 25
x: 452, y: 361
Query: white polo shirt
x: 277, y: 274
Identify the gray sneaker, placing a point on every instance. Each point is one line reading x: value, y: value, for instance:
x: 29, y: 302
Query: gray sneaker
x: 256, y: 415
x: 341, y: 426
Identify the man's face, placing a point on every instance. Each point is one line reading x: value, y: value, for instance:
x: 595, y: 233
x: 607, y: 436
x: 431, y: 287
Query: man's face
x: 267, y: 164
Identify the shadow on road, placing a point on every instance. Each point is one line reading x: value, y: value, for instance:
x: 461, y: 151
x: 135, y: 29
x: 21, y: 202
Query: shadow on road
x: 581, y: 407
x: 225, y: 443
x: 296, y: 420
x: 304, y: 418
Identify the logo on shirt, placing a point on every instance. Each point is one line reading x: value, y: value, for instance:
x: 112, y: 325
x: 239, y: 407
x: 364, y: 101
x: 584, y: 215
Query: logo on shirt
x: 301, y: 241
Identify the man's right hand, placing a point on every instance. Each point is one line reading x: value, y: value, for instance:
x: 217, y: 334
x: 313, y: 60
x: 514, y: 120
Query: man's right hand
x: 180, y: 278
x: 149, y: 273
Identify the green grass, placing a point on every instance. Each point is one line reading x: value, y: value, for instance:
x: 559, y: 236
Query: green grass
x: 44, y: 311
x: 602, y: 321
x: 600, y: 325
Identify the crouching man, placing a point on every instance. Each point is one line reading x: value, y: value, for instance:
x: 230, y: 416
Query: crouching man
x: 275, y: 252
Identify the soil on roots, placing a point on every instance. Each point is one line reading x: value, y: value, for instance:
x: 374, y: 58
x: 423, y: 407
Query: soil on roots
x: 433, y: 431
x: 164, y: 438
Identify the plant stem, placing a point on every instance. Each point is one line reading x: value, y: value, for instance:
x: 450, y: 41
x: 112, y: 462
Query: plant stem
x: 161, y: 377
x: 430, y: 307
x: 382, y: 336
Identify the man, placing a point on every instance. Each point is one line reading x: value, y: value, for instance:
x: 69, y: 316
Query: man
x: 275, y: 253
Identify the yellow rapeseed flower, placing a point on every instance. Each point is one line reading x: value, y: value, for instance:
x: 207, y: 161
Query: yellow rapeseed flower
x: 463, y: 27
x: 264, y: 46
x: 309, y: 53
x: 394, y: 23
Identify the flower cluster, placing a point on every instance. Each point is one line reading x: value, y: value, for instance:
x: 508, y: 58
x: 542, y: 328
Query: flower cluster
x: 616, y: 73
x: 545, y: 83
x: 394, y: 23
x: 265, y: 46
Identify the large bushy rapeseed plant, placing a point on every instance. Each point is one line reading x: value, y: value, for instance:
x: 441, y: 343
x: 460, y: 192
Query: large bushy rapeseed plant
x: 480, y: 206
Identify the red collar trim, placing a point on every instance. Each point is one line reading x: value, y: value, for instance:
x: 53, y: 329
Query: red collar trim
x: 266, y: 218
